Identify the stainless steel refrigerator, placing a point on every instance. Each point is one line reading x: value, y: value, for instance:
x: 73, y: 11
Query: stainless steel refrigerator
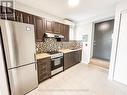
x: 19, y: 45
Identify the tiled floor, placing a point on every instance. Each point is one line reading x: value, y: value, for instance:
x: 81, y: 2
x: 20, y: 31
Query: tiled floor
x: 81, y: 80
x: 101, y: 63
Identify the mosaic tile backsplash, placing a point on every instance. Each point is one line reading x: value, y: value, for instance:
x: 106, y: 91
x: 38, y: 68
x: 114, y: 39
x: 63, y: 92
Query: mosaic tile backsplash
x: 51, y: 44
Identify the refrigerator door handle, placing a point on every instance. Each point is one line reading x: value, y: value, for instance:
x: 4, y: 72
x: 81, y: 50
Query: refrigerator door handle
x: 35, y: 66
x: 35, y: 61
x: 35, y: 57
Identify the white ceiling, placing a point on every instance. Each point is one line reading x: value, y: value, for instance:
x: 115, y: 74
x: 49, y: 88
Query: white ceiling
x: 60, y: 8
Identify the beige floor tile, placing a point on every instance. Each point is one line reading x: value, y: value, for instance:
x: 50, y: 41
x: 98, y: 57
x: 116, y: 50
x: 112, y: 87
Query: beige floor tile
x: 81, y: 80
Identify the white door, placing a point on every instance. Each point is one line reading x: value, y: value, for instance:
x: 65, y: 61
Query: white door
x: 121, y: 57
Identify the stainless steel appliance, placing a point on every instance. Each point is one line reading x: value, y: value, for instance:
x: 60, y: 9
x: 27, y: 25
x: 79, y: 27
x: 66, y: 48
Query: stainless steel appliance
x: 53, y: 35
x: 58, y: 37
x: 56, y: 62
x: 19, y: 45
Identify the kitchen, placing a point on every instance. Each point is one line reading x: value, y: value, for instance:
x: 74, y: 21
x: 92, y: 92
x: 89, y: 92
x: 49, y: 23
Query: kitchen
x: 38, y: 47
x: 49, y: 52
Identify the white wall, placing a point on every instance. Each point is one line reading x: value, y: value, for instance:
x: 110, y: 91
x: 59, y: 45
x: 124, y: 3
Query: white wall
x: 87, y: 27
x: 113, y: 73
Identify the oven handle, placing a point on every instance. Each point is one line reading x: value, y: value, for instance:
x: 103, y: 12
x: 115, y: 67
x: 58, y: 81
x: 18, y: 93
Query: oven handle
x: 56, y: 58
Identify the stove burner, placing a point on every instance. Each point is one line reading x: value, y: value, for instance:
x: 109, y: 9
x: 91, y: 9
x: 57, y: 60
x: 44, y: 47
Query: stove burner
x: 53, y: 52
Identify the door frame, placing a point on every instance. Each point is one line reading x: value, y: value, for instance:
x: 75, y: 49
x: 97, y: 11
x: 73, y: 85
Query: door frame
x: 93, y: 33
x: 94, y: 23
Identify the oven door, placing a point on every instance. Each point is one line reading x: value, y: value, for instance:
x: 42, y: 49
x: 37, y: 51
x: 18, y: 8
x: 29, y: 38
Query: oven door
x: 56, y: 63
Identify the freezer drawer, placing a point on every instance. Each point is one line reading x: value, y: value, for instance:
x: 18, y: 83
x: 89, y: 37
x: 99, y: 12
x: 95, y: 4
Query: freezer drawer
x: 23, y: 79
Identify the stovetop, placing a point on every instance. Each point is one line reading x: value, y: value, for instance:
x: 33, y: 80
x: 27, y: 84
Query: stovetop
x: 55, y: 54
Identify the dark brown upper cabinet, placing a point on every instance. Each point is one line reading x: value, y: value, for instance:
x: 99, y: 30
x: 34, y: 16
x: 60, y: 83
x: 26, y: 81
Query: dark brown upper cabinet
x: 10, y: 14
x: 27, y: 18
x: 57, y: 27
x: 66, y: 33
x: 64, y: 30
x: 2, y: 12
x: 39, y: 24
x: 48, y: 26
x: 18, y: 16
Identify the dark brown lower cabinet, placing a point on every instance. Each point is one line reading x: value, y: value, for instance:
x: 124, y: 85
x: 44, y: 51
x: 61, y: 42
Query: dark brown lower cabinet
x: 44, y: 69
x: 72, y: 58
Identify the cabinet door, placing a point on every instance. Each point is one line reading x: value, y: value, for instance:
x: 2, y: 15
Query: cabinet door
x: 10, y: 13
x: 72, y: 58
x: 44, y: 69
x: 80, y: 55
x: 48, y: 26
x: 18, y: 16
x: 39, y: 28
x: 66, y: 61
x: 2, y: 12
x: 77, y: 56
x: 27, y: 18
x: 66, y: 32
x: 56, y: 28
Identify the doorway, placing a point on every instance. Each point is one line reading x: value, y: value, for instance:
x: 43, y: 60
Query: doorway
x: 103, y: 41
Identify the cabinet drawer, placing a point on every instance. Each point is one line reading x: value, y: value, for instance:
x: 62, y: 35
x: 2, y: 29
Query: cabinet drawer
x: 44, y: 69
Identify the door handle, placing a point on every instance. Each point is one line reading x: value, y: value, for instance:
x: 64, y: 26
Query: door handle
x: 94, y: 43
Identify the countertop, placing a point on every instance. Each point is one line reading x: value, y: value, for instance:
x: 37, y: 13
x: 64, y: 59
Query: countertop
x: 45, y: 55
x: 69, y: 50
x: 42, y: 55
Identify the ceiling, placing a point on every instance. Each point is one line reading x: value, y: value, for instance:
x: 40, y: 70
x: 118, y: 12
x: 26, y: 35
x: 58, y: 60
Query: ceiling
x: 85, y: 9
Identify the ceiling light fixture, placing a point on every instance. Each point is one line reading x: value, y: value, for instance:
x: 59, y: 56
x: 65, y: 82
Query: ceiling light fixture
x: 73, y: 3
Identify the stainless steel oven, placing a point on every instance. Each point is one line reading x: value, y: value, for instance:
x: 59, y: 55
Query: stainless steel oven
x: 56, y: 63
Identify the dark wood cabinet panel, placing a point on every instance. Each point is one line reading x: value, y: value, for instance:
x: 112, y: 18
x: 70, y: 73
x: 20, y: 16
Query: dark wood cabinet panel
x: 48, y: 26
x: 72, y: 58
x: 18, y: 16
x: 41, y: 25
x: 64, y: 30
x: 57, y: 27
x: 10, y: 14
x: 2, y: 12
x: 27, y: 18
x: 44, y: 69
x: 77, y: 56
x: 68, y: 60
x: 80, y: 56
x: 39, y: 28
